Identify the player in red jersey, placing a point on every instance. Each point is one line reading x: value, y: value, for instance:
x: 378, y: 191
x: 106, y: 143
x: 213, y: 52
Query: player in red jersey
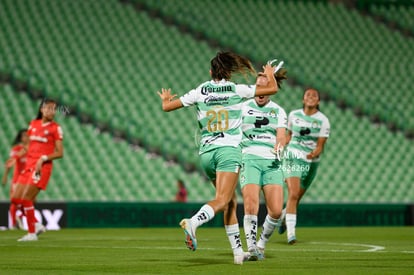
x: 18, y: 161
x: 45, y: 145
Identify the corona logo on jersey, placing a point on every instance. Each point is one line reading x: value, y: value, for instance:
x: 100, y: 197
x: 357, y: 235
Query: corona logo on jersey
x: 212, y: 89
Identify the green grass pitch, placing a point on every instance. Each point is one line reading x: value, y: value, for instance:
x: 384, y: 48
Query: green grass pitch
x: 333, y: 250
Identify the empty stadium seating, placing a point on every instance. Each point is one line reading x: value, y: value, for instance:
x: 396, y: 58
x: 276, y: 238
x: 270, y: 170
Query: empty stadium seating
x: 108, y: 60
x: 95, y: 167
x: 400, y: 15
x: 326, y: 45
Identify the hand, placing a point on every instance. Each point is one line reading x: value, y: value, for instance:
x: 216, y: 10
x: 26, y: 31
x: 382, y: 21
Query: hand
x: 38, y: 166
x: 4, y: 180
x: 311, y: 155
x: 277, y: 67
x: 278, y: 151
x: 36, y: 177
x: 166, y: 95
x: 10, y: 162
x: 268, y: 69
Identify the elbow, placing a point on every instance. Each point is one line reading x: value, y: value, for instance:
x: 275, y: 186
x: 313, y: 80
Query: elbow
x: 59, y: 155
x: 166, y: 109
x: 275, y: 90
x: 272, y: 89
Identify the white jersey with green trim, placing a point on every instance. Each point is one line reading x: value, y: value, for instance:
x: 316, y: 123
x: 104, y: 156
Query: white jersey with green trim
x: 219, y: 112
x: 305, y: 133
x: 259, y: 128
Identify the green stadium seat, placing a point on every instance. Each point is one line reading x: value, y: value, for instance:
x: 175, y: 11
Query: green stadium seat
x: 81, y: 65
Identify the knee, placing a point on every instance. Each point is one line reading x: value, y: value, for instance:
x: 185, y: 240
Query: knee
x: 274, y: 213
x: 251, y: 205
x: 221, y: 204
x: 226, y: 205
x: 293, y: 196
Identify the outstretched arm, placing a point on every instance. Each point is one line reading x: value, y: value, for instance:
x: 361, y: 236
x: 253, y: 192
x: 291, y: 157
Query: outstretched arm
x: 168, y: 101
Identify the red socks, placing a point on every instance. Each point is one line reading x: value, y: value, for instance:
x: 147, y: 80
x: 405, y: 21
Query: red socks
x: 30, y: 215
x: 13, y: 210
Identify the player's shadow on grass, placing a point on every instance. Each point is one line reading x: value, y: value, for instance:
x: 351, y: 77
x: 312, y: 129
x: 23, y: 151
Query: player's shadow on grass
x: 218, y: 259
x: 208, y: 261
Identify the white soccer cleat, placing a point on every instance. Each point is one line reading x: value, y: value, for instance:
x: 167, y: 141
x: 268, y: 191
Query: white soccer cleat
x: 261, y: 255
x: 256, y: 254
x: 39, y: 228
x: 190, y: 238
x: 292, y: 239
x: 28, y: 238
x: 239, y: 259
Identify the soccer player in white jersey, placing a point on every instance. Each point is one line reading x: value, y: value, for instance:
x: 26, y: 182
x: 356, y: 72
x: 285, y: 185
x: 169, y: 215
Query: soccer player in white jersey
x: 308, y: 130
x: 264, y: 128
x: 218, y: 102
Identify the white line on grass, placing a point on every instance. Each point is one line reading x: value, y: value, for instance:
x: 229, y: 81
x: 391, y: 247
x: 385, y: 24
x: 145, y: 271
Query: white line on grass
x: 371, y: 248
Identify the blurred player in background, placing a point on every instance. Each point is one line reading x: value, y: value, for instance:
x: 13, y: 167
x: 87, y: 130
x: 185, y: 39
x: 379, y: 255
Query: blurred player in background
x: 45, y: 145
x: 264, y: 128
x: 18, y: 161
x: 218, y: 102
x: 181, y: 195
x: 308, y: 130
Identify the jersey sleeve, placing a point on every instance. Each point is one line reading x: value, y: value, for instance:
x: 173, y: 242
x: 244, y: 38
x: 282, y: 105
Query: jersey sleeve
x: 13, y: 153
x: 29, y: 129
x: 58, y: 133
x: 189, y: 98
x: 245, y: 91
x: 325, y: 128
x: 282, y: 119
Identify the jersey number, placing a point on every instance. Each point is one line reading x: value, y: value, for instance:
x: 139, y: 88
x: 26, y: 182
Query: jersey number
x: 217, y: 121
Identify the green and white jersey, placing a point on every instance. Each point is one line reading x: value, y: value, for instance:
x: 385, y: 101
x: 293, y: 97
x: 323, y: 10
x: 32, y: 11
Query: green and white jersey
x: 259, y: 128
x: 219, y: 112
x: 305, y: 133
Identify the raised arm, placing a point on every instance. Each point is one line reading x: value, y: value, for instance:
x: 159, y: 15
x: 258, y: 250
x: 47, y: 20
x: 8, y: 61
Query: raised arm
x: 168, y: 101
x: 271, y: 87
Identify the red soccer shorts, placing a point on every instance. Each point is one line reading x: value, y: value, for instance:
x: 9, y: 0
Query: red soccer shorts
x: 28, y: 176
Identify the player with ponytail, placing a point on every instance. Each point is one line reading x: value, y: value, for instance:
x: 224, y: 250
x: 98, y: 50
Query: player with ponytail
x: 45, y: 145
x: 218, y: 103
